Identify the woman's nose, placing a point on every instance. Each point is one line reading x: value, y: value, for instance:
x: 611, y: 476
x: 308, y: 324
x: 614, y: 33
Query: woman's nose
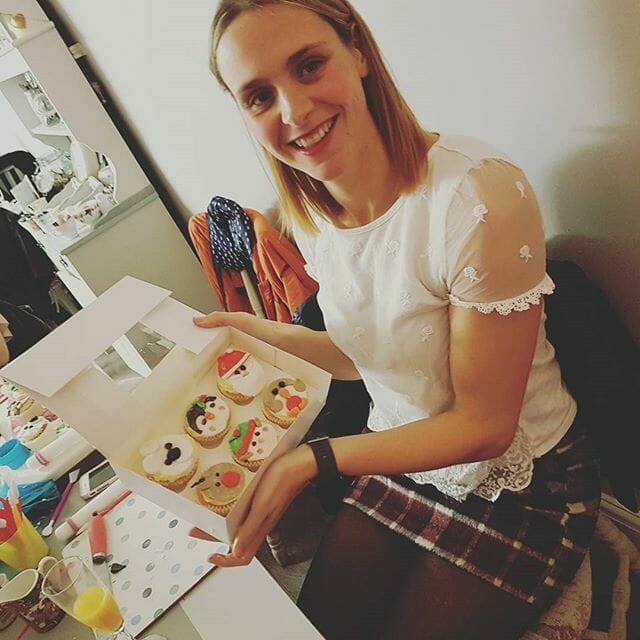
x: 295, y: 107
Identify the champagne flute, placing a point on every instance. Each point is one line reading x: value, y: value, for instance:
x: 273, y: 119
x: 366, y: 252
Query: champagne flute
x: 76, y: 589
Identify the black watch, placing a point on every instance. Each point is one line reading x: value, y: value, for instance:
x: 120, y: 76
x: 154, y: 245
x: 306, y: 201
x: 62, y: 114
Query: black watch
x: 330, y: 484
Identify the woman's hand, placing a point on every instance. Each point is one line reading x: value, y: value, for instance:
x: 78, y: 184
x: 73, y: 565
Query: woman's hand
x: 279, y: 485
x: 237, y: 319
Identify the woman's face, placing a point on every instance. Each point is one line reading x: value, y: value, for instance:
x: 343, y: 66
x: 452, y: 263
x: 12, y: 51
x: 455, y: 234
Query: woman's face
x: 299, y: 88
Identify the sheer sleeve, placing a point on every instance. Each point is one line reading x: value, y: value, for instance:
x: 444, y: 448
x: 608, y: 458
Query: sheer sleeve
x: 494, y: 242
x: 305, y: 245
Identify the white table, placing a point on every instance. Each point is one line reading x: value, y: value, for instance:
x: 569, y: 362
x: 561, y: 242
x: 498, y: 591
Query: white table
x: 234, y: 604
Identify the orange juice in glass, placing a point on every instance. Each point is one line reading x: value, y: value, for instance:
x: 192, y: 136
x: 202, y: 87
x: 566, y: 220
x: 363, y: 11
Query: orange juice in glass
x: 74, y: 587
x: 98, y: 609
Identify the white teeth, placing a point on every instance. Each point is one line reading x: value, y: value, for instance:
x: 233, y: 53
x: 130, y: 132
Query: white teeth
x: 314, y: 138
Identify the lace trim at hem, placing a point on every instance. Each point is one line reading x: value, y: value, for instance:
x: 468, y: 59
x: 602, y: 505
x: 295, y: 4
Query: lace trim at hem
x: 513, y: 471
x: 505, y: 307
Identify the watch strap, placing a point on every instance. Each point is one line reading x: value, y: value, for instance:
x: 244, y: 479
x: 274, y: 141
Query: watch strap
x: 330, y: 484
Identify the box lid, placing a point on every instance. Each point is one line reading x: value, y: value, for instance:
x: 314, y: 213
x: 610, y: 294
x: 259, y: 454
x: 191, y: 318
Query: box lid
x: 67, y: 350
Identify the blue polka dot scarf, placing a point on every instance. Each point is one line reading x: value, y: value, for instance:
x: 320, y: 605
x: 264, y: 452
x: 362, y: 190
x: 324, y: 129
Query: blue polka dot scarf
x: 231, y: 234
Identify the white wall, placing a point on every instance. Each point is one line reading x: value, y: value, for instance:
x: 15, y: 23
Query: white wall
x: 554, y: 84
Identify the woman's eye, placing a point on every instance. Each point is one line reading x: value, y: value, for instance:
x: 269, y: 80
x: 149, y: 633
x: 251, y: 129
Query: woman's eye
x: 312, y: 66
x: 258, y: 99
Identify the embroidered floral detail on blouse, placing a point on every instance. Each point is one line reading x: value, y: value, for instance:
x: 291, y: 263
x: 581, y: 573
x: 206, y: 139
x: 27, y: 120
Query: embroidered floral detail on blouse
x: 471, y: 273
x: 479, y: 212
x: 424, y: 193
x: 405, y: 299
x: 425, y: 333
x: 393, y: 246
x: 520, y: 187
x: 420, y: 374
x: 427, y: 252
x: 358, y: 332
x: 356, y: 249
x: 525, y: 253
x: 348, y: 290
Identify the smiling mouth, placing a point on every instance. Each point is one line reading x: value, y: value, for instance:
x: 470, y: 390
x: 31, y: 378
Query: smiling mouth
x: 311, y: 139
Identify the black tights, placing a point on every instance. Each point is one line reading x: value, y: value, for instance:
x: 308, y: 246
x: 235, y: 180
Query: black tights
x: 368, y: 582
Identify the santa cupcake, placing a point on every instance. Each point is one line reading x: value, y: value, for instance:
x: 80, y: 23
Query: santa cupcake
x: 240, y: 376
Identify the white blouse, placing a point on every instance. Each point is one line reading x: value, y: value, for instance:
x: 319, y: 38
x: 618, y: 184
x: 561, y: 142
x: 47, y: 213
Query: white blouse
x: 470, y: 236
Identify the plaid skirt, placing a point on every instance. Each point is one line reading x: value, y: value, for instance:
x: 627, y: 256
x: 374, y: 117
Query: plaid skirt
x: 529, y: 543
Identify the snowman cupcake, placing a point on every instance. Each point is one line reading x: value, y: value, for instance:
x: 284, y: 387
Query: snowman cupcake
x: 207, y: 420
x: 240, y: 376
x: 253, y: 441
x: 170, y: 461
x: 219, y: 486
x: 283, y: 400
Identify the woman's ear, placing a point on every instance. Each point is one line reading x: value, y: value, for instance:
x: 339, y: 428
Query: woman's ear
x: 361, y: 63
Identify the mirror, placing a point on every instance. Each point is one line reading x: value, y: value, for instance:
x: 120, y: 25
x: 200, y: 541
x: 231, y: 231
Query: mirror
x: 54, y: 189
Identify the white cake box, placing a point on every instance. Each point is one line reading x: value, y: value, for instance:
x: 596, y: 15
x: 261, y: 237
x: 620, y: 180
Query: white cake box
x: 61, y: 373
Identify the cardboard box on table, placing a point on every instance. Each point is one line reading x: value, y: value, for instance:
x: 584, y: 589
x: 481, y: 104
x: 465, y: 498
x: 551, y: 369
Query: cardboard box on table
x: 59, y: 371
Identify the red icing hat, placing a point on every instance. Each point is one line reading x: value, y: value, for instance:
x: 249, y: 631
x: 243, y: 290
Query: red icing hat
x: 229, y: 360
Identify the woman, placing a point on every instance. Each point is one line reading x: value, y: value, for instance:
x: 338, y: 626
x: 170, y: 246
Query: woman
x: 5, y: 335
x: 474, y: 501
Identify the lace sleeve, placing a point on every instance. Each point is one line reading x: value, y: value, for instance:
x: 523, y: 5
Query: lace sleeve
x: 494, y: 242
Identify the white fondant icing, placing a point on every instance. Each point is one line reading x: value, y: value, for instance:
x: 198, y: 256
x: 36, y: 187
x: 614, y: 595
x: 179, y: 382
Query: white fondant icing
x: 248, y: 380
x: 264, y: 441
x: 216, y: 417
x: 159, y: 462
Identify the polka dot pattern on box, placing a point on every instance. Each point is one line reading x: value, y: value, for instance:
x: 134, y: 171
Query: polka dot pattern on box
x: 159, y: 561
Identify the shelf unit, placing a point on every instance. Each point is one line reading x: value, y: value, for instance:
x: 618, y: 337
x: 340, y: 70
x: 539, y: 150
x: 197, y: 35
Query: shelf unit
x: 59, y: 129
x: 122, y: 246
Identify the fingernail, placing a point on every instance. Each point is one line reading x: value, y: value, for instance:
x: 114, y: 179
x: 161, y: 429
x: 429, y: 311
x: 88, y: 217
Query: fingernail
x: 215, y: 558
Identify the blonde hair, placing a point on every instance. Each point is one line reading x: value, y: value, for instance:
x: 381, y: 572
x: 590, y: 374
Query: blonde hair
x: 402, y: 135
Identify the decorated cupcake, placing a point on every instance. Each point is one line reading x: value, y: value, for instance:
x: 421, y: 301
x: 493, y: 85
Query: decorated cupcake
x: 283, y: 400
x: 219, y: 486
x: 22, y: 410
x: 170, y: 461
x: 37, y: 433
x: 240, y: 376
x: 208, y: 420
x: 253, y: 441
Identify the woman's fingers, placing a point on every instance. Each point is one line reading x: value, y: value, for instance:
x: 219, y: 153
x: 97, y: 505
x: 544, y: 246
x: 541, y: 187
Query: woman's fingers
x: 229, y: 560
x: 215, y: 319
x: 244, y: 548
x: 238, y: 319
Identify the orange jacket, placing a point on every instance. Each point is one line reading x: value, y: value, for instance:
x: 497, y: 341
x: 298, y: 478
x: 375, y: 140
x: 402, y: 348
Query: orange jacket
x: 282, y: 282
